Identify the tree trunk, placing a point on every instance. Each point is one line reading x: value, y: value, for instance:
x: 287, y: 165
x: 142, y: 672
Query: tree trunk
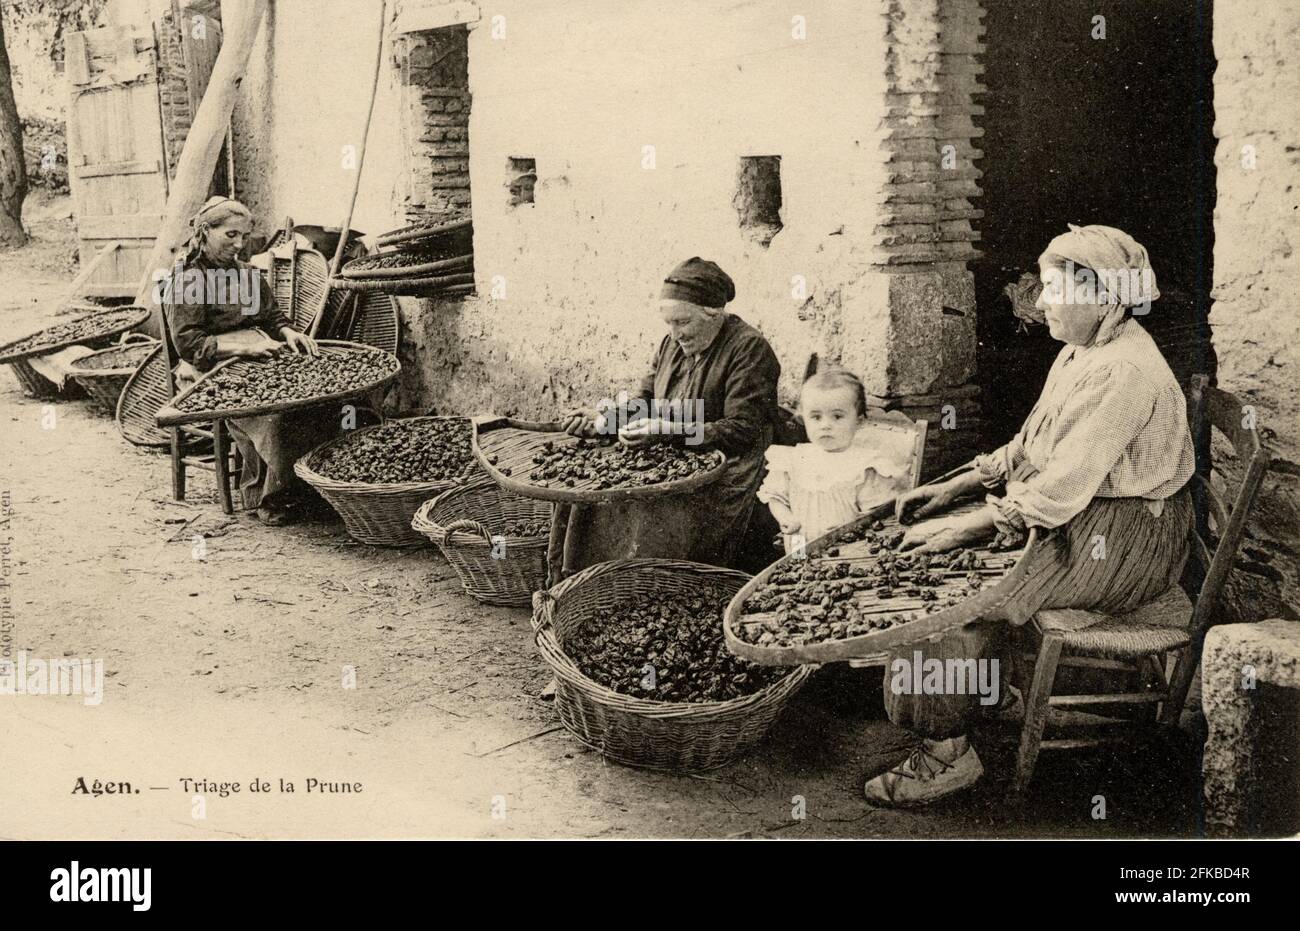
x: 13, y: 169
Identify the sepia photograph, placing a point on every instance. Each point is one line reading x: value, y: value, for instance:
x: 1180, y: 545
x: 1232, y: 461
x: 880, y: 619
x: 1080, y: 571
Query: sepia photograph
x: 732, y: 420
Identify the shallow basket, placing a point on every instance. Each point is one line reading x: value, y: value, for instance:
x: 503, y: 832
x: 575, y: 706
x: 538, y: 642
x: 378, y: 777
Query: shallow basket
x: 670, y: 736
x: 465, y: 521
x: 37, y: 386
x: 378, y: 514
x: 103, y: 374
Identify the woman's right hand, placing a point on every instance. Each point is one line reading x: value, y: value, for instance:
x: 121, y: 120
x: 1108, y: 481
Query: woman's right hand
x: 260, y: 351
x: 579, y: 422
x: 923, y: 502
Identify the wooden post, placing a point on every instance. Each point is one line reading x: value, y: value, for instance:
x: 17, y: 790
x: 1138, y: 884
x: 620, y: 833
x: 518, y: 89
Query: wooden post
x: 203, y: 144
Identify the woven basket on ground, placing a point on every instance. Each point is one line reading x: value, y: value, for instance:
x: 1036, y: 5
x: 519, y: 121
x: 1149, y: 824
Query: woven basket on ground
x: 103, y: 374
x: 378, y: 514
x: 468, y: 524
x: 671, y: 736
x: 117, y: 320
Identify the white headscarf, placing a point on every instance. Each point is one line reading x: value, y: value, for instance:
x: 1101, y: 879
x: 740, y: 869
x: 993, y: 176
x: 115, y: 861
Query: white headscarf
x: 1107, y: 250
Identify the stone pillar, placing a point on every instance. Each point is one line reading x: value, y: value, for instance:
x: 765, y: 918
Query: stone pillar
x: 1237, y: 659
x: 909, y: 324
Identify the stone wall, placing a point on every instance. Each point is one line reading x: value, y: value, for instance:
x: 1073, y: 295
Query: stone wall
x: 1256, y: 314
x: 642, y: 120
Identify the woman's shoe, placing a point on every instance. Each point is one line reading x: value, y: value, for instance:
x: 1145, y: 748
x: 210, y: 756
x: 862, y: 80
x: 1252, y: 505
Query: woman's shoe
x: 274, y: 517
x: 923, y: 778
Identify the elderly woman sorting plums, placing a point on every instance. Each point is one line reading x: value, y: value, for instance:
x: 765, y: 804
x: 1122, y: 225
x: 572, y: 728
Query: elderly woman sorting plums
x: 711, y: 384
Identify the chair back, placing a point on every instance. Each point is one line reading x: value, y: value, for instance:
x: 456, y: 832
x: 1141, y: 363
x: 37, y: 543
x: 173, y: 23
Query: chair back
x: 895, y: 430
x: 1221, y: 519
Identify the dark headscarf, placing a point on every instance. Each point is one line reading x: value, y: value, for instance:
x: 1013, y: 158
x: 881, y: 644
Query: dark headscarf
x: 699, y: 281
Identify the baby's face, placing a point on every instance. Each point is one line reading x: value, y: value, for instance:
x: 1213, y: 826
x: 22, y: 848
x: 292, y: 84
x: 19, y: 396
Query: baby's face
x: 831, y: 417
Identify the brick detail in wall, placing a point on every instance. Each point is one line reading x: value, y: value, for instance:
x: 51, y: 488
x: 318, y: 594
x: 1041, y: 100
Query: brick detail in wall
x: 434, y: 69
x: 924, y: 210
x: 173, y: 92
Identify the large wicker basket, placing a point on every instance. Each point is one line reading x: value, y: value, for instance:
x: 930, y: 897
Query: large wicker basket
x: 378, y: 514
x: 467, y: 524
x: 105, y: 373
x: 670, y: 736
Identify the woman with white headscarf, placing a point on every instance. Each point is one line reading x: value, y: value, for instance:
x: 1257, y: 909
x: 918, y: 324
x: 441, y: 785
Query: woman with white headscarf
x: 240, y: 318
x: 1105, y: 453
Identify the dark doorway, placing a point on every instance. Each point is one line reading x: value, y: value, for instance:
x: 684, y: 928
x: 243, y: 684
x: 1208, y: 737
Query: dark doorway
x: 1115, y: 130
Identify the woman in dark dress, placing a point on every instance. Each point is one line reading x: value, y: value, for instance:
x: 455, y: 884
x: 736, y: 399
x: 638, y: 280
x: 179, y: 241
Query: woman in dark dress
x: 218, y: 307
x: 718, y: 376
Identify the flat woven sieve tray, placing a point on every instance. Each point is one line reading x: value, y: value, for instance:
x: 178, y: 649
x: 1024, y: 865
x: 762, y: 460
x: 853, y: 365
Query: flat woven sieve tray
x: 170, y: 414
x: 1000, y: 573
x: 513, y: 443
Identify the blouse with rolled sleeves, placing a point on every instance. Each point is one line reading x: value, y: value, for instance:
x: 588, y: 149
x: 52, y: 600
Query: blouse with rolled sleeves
x: 1111, y: 422
x: 195, y: 325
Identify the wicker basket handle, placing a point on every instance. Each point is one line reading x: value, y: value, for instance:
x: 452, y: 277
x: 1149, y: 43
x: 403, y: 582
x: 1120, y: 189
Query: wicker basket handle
x: 543, y: 612
x: 470, y: 526
x: 127, y: 338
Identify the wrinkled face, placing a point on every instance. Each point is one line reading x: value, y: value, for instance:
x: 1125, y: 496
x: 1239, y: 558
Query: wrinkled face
x: 830, y: 416
x: 223, y: 243
x: 1072, y: 316
x: 690, y: 325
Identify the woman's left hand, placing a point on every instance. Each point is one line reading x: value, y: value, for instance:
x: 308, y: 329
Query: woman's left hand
x: 299, y: 342
x: 949, y: 533
x: 642, y: 431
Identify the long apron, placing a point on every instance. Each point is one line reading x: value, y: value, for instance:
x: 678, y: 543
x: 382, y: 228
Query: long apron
x: 1144, y: 556
x: 269, y: 446
x: 701, y: 526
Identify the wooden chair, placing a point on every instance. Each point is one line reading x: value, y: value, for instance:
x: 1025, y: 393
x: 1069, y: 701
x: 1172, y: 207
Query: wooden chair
x: 1141, y: 641
x: 201, y: 447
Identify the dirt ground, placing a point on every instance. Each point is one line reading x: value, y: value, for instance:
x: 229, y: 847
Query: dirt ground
x: 229, y: 668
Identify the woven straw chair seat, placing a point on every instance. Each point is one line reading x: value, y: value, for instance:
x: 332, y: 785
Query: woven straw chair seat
x: 1156, y: 627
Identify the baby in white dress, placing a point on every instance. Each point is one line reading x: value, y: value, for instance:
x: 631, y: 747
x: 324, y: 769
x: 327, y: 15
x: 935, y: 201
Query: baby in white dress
x: 815, y: 487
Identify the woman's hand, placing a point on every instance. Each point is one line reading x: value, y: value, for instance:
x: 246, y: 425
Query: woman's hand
x: 580, y: 421
x: 929, y: 500
x: 299, y: 342
x: 922, y: 502
x: 646, y: 430
x: 949, y: 533
x: 260, y: 351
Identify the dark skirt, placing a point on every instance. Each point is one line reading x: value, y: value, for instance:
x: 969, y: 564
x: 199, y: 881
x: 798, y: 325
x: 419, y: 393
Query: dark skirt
x: 1143, y: 557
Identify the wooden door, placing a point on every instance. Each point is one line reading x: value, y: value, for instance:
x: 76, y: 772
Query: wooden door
x: 116, y: 163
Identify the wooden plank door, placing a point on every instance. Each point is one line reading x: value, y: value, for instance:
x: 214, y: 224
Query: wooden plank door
x: 116, y: 163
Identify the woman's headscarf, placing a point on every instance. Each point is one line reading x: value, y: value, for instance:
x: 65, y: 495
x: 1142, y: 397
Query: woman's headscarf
x: 700, y: 282
x: 1108, y: 252
x: 214, y: 212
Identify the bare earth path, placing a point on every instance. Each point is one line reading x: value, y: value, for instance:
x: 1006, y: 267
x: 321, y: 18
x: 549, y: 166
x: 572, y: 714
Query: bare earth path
x: 230, y: 668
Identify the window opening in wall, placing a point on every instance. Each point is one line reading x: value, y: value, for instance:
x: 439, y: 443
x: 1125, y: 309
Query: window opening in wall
x: 521, y: 180
x: 758, y: 197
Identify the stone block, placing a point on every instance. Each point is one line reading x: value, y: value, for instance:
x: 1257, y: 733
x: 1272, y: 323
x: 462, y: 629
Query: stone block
x: 1237, y: 659
x: 911, y: 333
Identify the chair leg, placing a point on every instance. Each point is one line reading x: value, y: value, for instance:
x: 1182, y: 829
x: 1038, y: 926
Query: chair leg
x: 237, y: 475
x: 1037, y: 709
x: 221, y: 464
x: 178, y: 466
x: 1181, y: 682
